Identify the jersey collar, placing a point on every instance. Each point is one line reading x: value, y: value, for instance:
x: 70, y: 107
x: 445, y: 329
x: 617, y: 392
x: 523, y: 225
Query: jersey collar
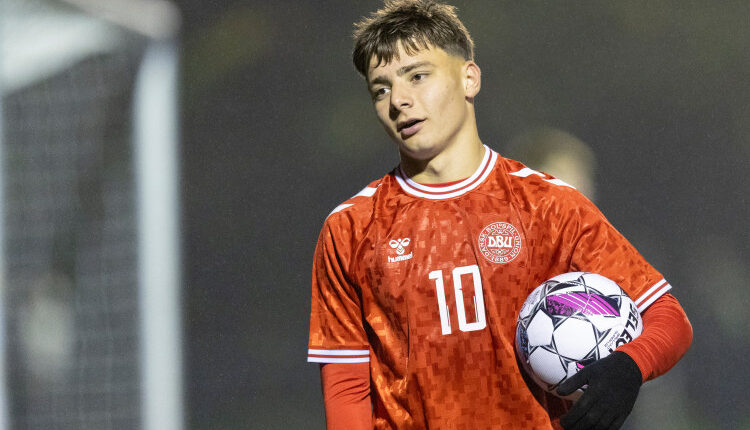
x: 449, y: 191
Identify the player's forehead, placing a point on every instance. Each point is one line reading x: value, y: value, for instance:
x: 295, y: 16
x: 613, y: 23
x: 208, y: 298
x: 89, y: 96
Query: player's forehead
x: 403, y: 56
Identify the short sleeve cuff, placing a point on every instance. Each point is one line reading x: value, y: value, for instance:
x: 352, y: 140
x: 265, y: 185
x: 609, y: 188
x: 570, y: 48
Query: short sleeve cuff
x: 650, y: 295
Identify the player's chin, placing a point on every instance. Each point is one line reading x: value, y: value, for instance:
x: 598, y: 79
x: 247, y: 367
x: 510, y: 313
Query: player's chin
x: 416, y: 151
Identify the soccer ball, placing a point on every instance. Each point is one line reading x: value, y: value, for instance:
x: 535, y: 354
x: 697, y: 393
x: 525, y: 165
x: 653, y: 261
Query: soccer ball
x: 571, y: 321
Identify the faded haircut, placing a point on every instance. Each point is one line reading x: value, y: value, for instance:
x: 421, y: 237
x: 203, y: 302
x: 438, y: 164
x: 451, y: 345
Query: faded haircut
x: 417, y: 24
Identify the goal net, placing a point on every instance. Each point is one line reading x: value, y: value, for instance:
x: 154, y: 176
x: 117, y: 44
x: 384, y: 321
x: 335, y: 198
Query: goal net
x: 89, y: 260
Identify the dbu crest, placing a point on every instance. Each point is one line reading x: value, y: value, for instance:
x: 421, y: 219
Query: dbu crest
x: 500, y: 242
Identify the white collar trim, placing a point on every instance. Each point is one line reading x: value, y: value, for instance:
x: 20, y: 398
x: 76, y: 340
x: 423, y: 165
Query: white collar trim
x: 449, y: 191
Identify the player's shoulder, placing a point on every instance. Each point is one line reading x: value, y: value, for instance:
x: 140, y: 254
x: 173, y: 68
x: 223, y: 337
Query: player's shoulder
x: 360, y: 206
x: 358, y: 203
x: 522, y: 176
x: 535, y: 188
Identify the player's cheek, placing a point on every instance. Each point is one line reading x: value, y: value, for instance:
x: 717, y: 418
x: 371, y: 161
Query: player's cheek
x: 383, y: 118
x: 449, y: 101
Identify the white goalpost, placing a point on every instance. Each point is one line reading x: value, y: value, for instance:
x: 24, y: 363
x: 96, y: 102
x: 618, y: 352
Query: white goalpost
x: 90, y: 260
x: 158, y: 237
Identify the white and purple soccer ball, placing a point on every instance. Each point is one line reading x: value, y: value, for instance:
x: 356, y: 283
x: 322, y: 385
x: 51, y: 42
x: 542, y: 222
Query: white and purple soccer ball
x: 571, y: 321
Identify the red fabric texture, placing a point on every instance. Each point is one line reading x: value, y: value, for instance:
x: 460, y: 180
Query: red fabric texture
x: 346, y: 393
x: 666, y: 337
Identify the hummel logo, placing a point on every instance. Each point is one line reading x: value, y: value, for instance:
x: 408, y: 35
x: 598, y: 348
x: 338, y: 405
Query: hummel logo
x: 400, y: 245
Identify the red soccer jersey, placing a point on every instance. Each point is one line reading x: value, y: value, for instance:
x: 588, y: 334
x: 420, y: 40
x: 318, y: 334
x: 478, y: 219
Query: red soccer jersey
x: 425, y: 283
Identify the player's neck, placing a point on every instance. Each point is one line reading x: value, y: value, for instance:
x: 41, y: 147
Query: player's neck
x: 455, y: 163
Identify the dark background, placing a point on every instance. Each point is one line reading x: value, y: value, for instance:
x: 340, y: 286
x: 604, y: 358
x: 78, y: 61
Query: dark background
x: 278, y: 129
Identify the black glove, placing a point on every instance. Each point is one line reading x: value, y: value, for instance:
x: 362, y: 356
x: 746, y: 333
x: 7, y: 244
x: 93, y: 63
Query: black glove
x: 613, y: 384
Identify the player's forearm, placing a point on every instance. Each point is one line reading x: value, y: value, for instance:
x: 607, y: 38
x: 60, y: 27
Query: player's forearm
x: 346, y: 393
x: 666, y: 337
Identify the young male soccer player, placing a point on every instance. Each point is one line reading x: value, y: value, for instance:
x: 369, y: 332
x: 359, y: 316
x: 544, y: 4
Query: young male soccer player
x: 418, y: 279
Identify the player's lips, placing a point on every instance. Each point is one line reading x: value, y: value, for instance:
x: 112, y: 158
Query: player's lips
x: 410, y: 127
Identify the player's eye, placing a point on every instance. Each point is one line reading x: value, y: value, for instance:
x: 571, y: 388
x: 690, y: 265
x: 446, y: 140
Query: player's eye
x: 418, y: 76
x: 379, y: 93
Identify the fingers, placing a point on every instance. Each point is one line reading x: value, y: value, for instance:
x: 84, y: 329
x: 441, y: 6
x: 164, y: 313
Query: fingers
x: 577, y: 413
x: 573, y: 383
x: 609, y: 398
x: 589, y: 413
x: 598, y: 417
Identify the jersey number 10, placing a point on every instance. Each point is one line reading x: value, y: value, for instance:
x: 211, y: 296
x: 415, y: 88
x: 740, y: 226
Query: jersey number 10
x: 480, y: 321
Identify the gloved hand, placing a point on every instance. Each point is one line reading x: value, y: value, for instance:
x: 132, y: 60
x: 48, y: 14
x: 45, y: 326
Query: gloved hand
x: 613, y: 384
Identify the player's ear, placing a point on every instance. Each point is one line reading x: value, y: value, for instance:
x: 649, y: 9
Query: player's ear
x: 472, y: 79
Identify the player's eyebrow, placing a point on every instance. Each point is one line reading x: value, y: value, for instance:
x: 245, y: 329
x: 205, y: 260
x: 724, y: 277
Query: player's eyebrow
x: 400, y: 72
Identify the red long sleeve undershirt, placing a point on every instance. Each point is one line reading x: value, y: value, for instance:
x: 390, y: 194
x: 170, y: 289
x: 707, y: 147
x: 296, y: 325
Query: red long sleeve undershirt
x: 666, y: 336
x: 346, y: 394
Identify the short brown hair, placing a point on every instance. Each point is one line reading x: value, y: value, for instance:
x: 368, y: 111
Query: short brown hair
x: 416, y: 24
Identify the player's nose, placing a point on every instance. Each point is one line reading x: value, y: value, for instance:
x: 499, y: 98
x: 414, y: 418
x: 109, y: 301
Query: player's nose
x: 401, y: 99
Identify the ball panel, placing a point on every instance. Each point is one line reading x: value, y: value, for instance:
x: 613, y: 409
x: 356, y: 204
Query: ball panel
x: 529, y: 305
x: 603, y: 285
x: 574, y: 338
x: 546, y: 366
x: 540, y: 329
x: 522, y: 344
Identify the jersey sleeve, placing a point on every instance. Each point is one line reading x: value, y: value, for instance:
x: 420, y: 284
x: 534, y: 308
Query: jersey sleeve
x: 337, y: 334
x: 599, y: 248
